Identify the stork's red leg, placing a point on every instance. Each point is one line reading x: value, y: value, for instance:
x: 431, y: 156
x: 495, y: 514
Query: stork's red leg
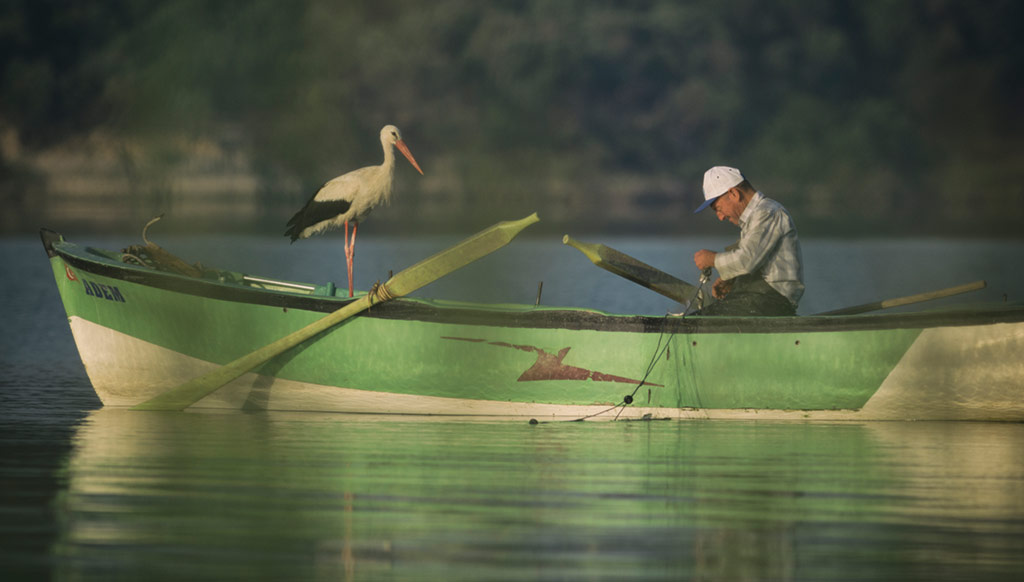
x: 348, y: 261
x: 352, y: 257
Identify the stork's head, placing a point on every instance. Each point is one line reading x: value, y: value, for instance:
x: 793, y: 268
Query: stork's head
x: 390, y: 135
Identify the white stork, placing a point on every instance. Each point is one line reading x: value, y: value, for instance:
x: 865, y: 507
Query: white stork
x: 350, y: 198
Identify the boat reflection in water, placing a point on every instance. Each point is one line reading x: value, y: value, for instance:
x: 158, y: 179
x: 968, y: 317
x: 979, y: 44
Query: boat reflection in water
x: 366, y: 497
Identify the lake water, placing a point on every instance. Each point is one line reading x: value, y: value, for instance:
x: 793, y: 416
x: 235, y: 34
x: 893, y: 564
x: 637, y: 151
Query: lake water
x: 106, y: 494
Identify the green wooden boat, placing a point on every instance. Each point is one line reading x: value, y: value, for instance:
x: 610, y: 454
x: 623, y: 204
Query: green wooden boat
x: 142, y: 330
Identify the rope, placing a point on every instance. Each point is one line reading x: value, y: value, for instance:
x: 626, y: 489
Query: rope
x: 380, y: 293
x: 705, y: 276
x: 128, y: 257
x: 659, y: 351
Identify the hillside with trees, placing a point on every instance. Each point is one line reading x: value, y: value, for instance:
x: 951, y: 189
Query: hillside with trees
x: 864, y: 117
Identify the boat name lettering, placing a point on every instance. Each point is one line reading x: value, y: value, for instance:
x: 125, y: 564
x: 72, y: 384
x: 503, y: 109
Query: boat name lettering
x: 108, y: 292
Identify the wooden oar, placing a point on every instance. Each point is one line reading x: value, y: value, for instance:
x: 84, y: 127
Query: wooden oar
x: 636, y: 271
x: 407, y: 281
x: 909, y: 299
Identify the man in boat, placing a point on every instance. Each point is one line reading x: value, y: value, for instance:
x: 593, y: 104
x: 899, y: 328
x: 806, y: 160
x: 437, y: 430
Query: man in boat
x: 763, y: 273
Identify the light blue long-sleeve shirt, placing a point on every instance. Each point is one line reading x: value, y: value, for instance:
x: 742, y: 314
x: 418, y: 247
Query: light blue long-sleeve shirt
x: 768, y: 243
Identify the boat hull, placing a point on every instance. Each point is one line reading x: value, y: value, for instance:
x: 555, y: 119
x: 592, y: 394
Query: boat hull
x: 141, y: 331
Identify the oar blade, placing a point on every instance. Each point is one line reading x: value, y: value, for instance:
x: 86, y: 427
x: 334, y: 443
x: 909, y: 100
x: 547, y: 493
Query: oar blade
x: 408, y: 280
x: 433, y: 268
x: 637, y: 271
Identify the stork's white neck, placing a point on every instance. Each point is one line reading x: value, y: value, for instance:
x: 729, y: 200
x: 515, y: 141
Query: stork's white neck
x: 387, y: 172
x: 389, y: 156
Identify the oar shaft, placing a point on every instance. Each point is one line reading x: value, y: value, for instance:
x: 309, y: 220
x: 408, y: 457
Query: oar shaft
x: 908, y: 300
x: 190, y: 392
x: 407, y: 281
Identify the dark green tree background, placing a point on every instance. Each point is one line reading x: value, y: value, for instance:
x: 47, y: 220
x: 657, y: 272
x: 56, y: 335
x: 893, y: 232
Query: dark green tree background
x: 864, y: 117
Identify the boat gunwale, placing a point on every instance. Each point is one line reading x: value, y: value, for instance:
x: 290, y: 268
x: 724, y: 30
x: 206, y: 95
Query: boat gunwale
x: 573, y: 318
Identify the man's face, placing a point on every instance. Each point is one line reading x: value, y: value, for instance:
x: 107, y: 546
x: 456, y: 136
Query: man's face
x: 728, y: 207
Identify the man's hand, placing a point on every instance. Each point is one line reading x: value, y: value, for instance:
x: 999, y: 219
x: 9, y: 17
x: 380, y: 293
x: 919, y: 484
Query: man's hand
x: 721, y: 288
x: 704, y: 259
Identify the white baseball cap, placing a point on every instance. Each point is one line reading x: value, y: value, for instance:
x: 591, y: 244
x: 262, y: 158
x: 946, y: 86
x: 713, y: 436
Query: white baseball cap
x: 718, y: 181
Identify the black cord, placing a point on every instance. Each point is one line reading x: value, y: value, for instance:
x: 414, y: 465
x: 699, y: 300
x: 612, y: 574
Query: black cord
x: 659, y: 351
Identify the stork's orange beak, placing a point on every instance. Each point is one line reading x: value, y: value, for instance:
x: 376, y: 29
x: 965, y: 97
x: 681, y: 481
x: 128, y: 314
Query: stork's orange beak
x: 408, y: 155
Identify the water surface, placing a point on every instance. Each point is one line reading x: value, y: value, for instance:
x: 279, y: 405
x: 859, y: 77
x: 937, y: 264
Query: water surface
x: 350, y: 497
x: 102, y: 494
